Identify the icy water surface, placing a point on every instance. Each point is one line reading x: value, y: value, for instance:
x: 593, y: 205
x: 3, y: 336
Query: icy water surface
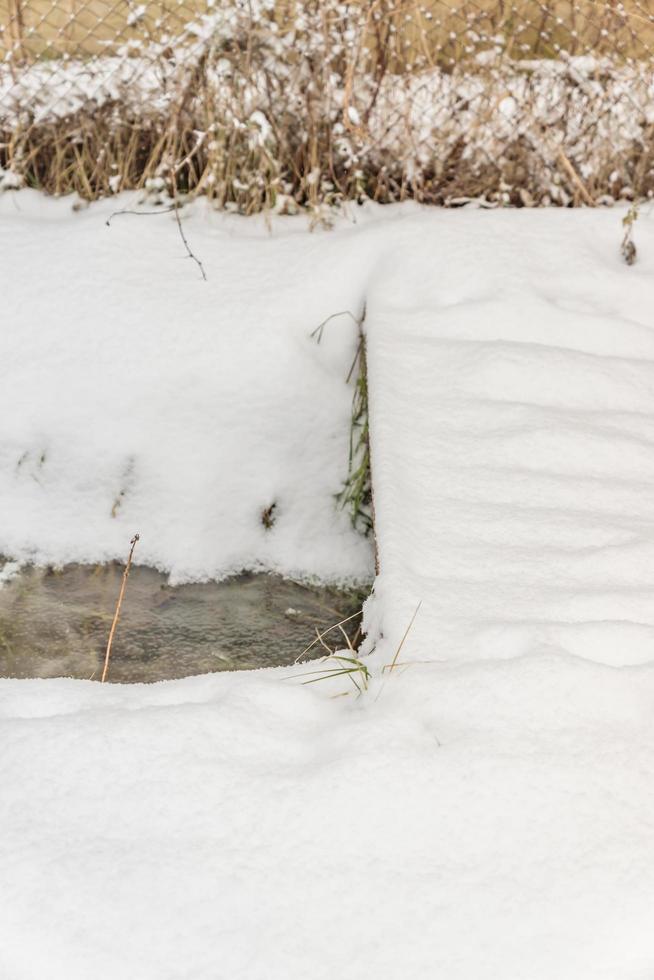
x: 55, y: 623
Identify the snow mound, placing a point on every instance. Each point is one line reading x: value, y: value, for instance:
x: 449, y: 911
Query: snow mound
x: 136, y: 397
x: 511, y: 378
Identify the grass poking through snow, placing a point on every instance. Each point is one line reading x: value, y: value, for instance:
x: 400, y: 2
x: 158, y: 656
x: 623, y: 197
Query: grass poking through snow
x: 356, y: 495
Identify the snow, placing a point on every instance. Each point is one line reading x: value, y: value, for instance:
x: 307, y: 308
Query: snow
x: 136, y: 397
x: 511, y: 378
x: 483, y: 811
x: 500, y: 116
x: 489, y: 820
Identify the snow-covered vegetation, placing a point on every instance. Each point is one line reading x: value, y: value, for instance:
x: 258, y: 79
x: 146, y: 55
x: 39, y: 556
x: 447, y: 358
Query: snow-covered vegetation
x: 257, y: 109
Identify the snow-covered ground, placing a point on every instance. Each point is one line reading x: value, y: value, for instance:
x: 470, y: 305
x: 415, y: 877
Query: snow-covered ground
x: 511, y: 370
x: 134, y: 396
x: 493, y: 820
x: 484, y: 815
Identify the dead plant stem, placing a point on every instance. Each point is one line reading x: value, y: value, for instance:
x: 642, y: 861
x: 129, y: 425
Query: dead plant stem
x: 121, y: 594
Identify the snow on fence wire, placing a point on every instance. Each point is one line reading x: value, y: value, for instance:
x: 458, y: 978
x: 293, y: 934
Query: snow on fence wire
x: 263, y: 103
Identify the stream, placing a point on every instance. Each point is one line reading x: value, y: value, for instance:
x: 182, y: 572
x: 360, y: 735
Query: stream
x: 55, y: 623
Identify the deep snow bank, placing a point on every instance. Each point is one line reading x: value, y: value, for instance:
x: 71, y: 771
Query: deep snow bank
x: 511, y: 378
x: 512, y: 395
x: 136, y: 397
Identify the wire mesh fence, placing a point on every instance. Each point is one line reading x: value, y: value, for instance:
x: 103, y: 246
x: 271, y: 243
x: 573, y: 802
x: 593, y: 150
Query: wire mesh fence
x: 37, y: 29
x: 421, y: 30
x: 278, y: 103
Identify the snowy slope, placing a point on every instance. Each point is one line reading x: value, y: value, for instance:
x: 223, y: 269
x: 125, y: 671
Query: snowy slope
x: 511, y: 376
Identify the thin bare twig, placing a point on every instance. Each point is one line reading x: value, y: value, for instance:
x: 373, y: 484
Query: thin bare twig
x: 145, y: 214
x: 118, y: 605
x: 172, y: 208
x: 191, y: 254
x: 321, y: 326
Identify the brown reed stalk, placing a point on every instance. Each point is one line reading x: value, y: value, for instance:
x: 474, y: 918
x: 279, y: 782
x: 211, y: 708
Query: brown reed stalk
x: 331, y: 87
x: 118, y: 606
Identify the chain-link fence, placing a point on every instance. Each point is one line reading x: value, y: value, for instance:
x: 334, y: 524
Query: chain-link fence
x: 436, y: 29
x: 286, y: 102
x: 52, y: 29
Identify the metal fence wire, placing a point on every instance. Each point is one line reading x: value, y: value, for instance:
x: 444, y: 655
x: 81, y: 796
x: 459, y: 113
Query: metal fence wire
x: 54, y: 30
x: 419, y: 90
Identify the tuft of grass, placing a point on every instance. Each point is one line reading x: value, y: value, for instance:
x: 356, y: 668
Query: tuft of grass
x: 356, y: 495
x: 320, y: 637
x: 337, y: 663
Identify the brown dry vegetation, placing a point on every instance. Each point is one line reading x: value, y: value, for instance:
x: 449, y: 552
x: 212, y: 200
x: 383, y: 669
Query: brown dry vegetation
x: 341, y: 119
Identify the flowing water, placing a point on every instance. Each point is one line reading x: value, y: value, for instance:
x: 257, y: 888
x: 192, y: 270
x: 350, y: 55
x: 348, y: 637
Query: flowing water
x: 55, y: 623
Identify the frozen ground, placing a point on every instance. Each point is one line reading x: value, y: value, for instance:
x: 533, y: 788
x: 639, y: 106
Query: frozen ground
x: 486, y: 817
